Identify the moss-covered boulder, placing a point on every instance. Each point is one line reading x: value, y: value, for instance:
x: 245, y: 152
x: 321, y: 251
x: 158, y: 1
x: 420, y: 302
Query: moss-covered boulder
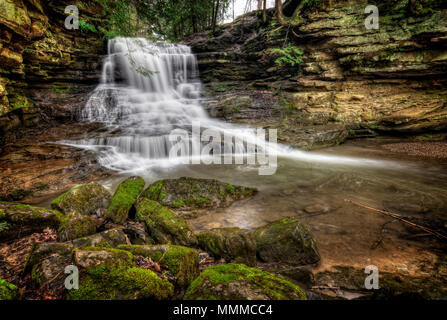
x: 108, y: 283
x: 23, y: 214
x: 43, y: 250
x: 239, y: 282
x: 109, y: 238
x: 182, y: 262
x: 92, y: 257
x: 124, y: 199
x: 75, y: 225
x: 288, y: 241
x: 233, y: 244
x: 8, y: 291
x: 87, y: 199
x: 164, y: 226
x: 27, y: 219
x: 111, y: 274
x: 190, y: 193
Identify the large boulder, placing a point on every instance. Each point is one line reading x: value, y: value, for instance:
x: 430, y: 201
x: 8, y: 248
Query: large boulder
x: 190, y: 193
x: 109, y: 238
x: 75, y: 225
x: 87, y: 199
x: 288, y: 241
x: 233, y: 244
x: 239, y: 282
x: 110, y: 274
x: 182, y: 262
x: 124, y: 199
x: 164, y: 226
x: 28, y: 219
x: 8, y: 291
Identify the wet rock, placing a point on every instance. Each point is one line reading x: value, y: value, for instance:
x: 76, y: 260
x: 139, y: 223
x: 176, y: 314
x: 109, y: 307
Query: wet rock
x: 42, y: 250
x: 302, y: 275
x: 182, y: 262
x: 190, y: 193
x: 137, y: 233
x: 110, y: 274
x: 239, y: 282
x: 88, y: 199
x: 75, y: 225
x: 50, y: 271
x: 8, y: 291
x: 163, y: 224
x: 124, y: 199
x: 233, y: 244
x: 287, y: 241
x: 318, y: 208
x: 110, y: 238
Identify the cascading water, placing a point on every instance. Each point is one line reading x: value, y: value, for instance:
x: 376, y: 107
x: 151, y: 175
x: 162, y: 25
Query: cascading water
x: 147, y: 90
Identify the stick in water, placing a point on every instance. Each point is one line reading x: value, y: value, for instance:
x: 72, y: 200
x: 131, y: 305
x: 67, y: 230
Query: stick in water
x: 398, y: 217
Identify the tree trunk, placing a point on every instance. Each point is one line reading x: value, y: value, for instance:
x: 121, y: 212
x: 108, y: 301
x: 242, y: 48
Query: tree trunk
x: 216, y: 14
x: 279, y: 14
x: 260, y: 2
x: 264, y: 12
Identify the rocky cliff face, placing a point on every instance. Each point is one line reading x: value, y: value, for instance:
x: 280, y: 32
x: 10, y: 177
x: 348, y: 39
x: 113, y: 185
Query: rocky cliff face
x: 352, y: 81
x: 46, y: 70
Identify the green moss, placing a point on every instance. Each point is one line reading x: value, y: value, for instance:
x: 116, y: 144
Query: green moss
x: 190, y: 193
x: 268, y: 284
x: 8, y: 291
x: 124, y: 198
x: 85, y: 199
x: 181, y: 261
x: 25, y: 214
x: 75, y: 225
x: 121, y: 258
x: 163, y: 224
x: 105, y: 283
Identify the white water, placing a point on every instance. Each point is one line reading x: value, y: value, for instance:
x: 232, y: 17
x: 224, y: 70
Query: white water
x: 146, y: 91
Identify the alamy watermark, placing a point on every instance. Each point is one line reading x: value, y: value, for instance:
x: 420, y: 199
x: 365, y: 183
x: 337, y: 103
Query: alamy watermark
x: 372, y: 280
x: 72, y: 21
x: 225, y: 146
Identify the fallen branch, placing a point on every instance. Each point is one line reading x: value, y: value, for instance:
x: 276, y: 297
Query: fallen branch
x: 398, y: 217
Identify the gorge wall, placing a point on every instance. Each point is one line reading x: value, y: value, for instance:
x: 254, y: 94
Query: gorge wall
x: 46, y: 70
x: 352, y: 81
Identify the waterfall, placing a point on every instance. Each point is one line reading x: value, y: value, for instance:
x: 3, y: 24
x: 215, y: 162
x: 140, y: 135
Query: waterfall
x: 150, y: 90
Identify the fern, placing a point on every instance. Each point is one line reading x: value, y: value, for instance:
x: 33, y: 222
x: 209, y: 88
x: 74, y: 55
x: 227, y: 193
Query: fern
x: 290, y: 55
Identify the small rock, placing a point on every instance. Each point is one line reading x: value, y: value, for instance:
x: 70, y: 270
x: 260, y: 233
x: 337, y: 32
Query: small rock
x: 51, y: 271
x: 316, y: 209
x: 93, y: 257
x: 137, y: 233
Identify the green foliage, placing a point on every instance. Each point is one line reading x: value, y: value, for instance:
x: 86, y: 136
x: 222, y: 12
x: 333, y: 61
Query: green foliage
x: 308, y: 4
x: 86, y: 27
x: 290, y: 55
